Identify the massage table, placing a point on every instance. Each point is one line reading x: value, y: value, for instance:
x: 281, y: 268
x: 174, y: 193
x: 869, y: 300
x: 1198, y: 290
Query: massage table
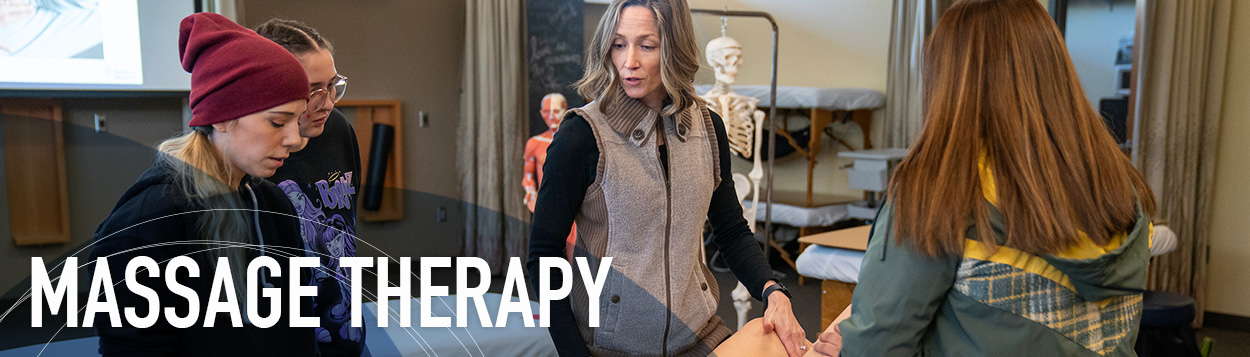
x: 807, y: 212
x: 824, y: 105
x: 833, y: 257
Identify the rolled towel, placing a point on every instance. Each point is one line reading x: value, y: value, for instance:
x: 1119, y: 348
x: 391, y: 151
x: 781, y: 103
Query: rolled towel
x: 1163, y: 241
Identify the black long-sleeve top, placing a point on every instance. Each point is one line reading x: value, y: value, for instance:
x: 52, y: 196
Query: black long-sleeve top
x: 572, y: 160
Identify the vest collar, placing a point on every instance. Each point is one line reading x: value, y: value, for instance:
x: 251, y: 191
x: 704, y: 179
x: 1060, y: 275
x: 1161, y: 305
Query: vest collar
x: 634, y: 120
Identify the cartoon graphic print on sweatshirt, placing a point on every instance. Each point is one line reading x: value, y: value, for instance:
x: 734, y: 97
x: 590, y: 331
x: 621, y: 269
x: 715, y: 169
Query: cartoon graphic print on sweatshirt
x: 328, y: 236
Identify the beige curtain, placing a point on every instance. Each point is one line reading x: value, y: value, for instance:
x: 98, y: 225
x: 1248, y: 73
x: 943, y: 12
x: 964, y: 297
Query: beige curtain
x: 492, y: 131
x: 1181, y: 71
x: 227, y: 8
x: 912, y: 22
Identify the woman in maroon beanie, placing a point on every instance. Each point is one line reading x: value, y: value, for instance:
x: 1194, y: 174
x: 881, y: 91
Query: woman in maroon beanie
x: 205, y: 198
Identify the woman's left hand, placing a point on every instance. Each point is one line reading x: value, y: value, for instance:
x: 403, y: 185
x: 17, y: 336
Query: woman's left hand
x: 779, y: 318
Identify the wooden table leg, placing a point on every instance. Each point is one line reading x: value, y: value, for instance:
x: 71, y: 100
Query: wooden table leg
x: 863, y: 118
x: 820, y: 119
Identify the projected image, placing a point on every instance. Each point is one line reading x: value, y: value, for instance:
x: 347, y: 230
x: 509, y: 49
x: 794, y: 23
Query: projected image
x: 70, y: 41
x: 51, y: 28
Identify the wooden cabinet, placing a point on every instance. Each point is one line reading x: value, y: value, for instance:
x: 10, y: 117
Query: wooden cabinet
x: 34, y: 167
x: 363, y: 114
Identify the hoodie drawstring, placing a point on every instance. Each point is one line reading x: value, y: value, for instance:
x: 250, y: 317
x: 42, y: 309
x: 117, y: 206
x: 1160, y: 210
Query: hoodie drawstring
x: 260, y: 237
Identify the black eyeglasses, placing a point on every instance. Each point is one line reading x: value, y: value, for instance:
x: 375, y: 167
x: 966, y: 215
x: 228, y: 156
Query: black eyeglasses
x: 338, y: 86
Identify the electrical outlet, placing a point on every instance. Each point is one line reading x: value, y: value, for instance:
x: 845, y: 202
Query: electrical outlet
x: 442, y: 214
x: 99, y: 123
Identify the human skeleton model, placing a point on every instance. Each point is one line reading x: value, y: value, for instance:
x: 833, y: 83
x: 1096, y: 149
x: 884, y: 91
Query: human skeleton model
x: 743, y: 125
x: 738, y: 111
x: 553, y: 108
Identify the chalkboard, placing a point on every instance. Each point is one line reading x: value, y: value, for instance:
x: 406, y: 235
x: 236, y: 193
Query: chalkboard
x: 554, y: 53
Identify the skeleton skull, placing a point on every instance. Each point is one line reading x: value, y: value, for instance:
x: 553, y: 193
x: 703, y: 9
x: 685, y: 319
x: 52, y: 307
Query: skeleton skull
x: 554, y: 106
x: 725, y: 56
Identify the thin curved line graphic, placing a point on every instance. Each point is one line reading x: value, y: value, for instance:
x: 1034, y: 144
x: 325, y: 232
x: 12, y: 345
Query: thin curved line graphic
x: 221, y: 244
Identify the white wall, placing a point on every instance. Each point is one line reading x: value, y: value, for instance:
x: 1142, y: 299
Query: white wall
x: 1228, y: 285
x: 1093, y: 35
x: 823, y: 43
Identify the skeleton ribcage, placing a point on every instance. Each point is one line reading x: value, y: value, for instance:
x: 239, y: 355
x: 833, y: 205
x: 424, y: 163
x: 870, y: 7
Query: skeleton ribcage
x: 741, y: 131
x: 738, y: 113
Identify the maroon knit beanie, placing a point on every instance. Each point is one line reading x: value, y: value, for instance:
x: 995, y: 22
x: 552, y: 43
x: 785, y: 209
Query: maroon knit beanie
x: 234, y: 71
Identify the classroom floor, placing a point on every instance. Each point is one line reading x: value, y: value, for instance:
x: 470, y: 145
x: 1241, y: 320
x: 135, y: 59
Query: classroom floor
x: 1227, y: 342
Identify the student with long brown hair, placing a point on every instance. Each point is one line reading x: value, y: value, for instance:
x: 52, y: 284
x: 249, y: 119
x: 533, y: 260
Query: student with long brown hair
x: 1015, y: 225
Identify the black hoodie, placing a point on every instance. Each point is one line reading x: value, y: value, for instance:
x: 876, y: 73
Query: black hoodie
x: 155, y: 211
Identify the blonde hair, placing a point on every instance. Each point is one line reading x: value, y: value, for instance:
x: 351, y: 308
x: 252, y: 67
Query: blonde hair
x: 201, y: 175
x: 679, y: 55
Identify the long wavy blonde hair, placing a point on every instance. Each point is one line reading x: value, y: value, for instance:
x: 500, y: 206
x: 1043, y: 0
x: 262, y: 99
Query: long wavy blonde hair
x: 679, y: 55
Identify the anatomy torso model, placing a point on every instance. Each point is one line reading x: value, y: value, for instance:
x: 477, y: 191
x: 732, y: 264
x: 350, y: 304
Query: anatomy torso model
x: 554, y: 106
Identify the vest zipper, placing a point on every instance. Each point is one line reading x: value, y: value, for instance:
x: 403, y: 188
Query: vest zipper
x: 668, y: 226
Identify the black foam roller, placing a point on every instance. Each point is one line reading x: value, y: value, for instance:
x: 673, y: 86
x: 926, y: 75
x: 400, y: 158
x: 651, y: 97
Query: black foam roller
x: 379, y: 152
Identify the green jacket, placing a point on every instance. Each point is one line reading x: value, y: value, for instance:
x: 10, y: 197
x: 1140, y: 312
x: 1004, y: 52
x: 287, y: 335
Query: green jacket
x: 1083, y: 302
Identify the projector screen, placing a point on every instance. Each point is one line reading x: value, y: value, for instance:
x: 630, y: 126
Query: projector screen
x: 92, y: 45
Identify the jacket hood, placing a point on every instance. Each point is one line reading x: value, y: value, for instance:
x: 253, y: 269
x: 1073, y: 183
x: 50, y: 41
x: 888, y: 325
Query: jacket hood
x: 1119, y: 270
x: 1095, y: 272
x: 160, y: 174
x: 163, y: 178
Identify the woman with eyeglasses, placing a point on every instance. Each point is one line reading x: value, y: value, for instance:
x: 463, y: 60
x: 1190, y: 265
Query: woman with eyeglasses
x: 321, y: 178
x: 205, y: 202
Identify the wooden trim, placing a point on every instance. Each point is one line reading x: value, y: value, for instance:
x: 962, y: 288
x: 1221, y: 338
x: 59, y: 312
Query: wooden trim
x: 34, y: 153
x: 1225, y: 321
x: 1059, y: 12
x: 1130, y: 119
x: 367, y: 113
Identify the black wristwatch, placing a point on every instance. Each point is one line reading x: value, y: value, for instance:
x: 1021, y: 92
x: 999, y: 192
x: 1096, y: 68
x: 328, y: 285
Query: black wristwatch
x: 775, y: 287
